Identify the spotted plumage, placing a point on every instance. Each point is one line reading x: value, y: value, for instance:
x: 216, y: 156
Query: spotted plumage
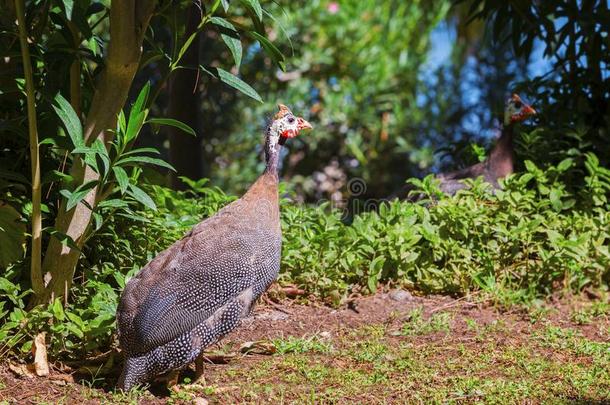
x: 199, y: 289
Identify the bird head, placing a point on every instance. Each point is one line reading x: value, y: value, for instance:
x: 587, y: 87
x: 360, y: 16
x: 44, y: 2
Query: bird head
x: 516, y: 110
x: 286, y: 125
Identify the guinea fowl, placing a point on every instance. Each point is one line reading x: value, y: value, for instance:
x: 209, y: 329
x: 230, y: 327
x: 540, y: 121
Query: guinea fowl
x: 198, y: 289
x: 499, y: 163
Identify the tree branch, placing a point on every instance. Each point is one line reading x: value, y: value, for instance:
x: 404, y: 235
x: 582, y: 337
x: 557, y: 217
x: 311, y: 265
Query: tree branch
x: 35, y: 265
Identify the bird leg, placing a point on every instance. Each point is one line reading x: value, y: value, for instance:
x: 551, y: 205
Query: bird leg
x: 172, y: 380
x: 199, y: 377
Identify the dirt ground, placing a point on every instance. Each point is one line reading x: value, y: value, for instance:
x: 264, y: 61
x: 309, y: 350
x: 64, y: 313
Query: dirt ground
x: 389, y: 348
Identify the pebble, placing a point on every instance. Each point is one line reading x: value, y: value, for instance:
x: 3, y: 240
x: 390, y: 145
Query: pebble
x: 400, y: 295
x: 326, y: 335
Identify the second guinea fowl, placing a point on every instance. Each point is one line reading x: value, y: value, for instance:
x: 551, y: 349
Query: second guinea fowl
x: 501, y: 160
x: 198, y: 289
x: 499, y: 163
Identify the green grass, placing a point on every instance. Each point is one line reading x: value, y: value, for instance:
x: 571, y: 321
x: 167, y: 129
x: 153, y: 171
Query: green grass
x: 373, y: 364
x: 292, y: 344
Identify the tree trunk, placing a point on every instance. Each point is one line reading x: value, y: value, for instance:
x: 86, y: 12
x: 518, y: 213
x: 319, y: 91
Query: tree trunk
x: 185, y: 151
x: 128, y: 22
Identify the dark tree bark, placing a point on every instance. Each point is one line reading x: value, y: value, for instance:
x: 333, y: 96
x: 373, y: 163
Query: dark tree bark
x: 185, y: 151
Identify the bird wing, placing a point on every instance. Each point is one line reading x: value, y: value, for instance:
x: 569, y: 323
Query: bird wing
x: 192, y: 279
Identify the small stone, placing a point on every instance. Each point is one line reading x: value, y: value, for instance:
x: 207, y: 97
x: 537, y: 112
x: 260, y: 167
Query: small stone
x: 325, y: 335
x: 400, y: 295
x: 200, y: 401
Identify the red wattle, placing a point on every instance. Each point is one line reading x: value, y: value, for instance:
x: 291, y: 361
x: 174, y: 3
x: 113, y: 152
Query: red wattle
x: 289, y: 133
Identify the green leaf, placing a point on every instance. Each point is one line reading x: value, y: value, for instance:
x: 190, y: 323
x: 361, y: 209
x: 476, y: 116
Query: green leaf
x: 184, y: 48
x: 225, y: 5
x: 113, y: 203
x: 230, y: 37
x: 135, y: 125
x: 133, y: 160
x: 139, y: 105
x: 137, y: 115
x: 93, y: 46
x: 530, y: 166
x: 371, y: 282
x: 142, y: 150
x: 565, y: 164
x: 255, y: 6
x: 121, y: 178
x: 69, y: 6
x: 68, y: 117
x: 12, y: 235
x: 270, y: 49
x: 58, y: 310
x: 238, y: 84
x: 64, y: 239
x: 100, y: 150
x: 173, y: 123
x: 77, y: 195
x: 139, y: 195
x: 98, y: 220
x: 121, y: 122
x: 555, y: 198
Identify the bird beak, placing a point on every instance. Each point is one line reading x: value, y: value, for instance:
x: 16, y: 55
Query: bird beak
x: 302, y: 124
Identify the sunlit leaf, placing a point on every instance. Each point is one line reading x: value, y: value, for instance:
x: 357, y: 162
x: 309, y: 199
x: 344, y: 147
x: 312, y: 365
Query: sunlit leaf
x: 172, y: 123
x: 139, y: 195
x: 231, y: 38
x: 270, y: 49
x: 238, y: 84
x: 255, y: 6
x: 68, y: 6
x: 121, y: 177
x: 68, y: 117
x: 133, y: 160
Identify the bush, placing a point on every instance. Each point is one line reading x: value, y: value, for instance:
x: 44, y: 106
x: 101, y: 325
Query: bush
x: 530, y: 238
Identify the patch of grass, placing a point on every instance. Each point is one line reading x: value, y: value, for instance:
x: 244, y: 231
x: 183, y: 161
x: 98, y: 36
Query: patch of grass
x: 416, y: 324
x: 537, y: 313
x: 369, y: 351
x: 302, y: 345
x: 584, y: 316
x: 134, y: 396
x: 369, y: 365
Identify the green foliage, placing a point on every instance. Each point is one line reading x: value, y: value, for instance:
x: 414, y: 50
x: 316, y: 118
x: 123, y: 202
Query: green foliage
x: 12, y: 235
x: 353, y: 72
x: 84, y: 157
x: 127, y: 241
x: 527, y: 239
x: 302, y: 345
x: 573, y: 95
